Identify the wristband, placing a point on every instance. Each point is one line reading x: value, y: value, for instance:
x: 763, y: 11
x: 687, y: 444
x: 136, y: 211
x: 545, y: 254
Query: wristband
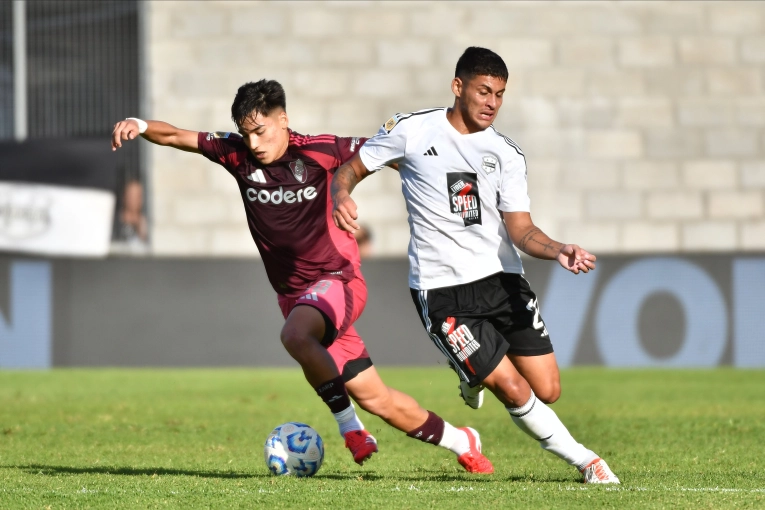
x: 142, y: 125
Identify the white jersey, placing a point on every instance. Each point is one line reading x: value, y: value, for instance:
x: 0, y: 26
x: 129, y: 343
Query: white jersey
x: 456, y: 187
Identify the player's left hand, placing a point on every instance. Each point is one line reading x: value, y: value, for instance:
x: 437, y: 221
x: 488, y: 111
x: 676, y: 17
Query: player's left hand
x: 575, y: 259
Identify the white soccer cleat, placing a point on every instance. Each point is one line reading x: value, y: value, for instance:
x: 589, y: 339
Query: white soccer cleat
x: 473, y: 397
x: 598, y: 471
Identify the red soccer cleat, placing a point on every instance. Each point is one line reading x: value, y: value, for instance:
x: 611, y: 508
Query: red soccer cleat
x: 362, y: 445
x: 474, y: 461
x: 598, y: 471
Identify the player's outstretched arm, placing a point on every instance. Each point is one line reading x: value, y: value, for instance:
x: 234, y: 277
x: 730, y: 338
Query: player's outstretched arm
x: 344, y: 212
x: 157, y: 132
x: 531, y: 240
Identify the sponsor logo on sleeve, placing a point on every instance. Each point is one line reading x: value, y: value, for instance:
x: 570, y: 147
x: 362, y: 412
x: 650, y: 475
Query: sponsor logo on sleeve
x: 391, y: 123
x: 218, y: 134
x: 354, y: 143
x: 489, y: 164
x: 464, y: 199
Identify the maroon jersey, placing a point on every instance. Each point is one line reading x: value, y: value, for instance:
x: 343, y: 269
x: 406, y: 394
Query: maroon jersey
x: 289, y: 207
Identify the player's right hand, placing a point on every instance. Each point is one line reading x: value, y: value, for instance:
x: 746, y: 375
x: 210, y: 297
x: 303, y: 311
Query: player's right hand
x: 124, y: 130
x: 345, y: 214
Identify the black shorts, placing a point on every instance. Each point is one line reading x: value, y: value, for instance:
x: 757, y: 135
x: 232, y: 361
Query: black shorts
x: 475, y: 324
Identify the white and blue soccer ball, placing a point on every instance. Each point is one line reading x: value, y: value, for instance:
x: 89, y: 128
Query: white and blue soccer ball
x: 294, y: 449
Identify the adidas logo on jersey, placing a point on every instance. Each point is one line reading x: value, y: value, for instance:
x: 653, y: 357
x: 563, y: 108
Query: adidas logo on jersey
x: 257, y: 176
x: 430, y: 152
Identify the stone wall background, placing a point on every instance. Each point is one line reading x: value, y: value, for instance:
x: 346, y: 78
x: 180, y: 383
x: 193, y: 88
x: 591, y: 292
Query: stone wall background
x: 643, y: 123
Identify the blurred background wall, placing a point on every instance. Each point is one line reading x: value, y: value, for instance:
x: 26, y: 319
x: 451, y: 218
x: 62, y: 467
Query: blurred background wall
x: 643, y: 123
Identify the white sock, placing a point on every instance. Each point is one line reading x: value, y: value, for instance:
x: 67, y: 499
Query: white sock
x: 540, y: 422
x: 348, y: 421
x: 454, y: 440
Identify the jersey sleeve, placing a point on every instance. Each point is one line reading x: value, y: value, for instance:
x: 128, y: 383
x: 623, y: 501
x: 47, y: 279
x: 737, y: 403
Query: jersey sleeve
x: 513, y: 189
x: 387, y: 146
x: 347, y: 147
x: 221, y: 147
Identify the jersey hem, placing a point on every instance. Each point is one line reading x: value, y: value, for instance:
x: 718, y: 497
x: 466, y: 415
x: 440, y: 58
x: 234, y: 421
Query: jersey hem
x: 443, y: 283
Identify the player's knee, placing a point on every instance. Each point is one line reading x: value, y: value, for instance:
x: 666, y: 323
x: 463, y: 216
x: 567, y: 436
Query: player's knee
x: 512, y: 391
x: 549, y: 394
x: 294, y: 341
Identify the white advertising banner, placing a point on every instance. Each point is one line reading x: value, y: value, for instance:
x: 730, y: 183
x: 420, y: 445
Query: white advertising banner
x: 55, y: 220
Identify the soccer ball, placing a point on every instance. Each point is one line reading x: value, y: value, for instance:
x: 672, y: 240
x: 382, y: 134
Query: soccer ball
x: 294, y: 449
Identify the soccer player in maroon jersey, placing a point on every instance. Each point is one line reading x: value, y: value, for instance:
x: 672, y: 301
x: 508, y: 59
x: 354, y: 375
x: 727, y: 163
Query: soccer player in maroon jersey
x: 313, y: 266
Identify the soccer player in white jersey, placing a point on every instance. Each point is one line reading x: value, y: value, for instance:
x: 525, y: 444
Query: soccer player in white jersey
x: 465, y: 190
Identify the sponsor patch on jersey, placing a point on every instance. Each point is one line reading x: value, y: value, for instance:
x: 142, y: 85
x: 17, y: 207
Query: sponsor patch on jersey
x: 299, y: 170
x: 489, y: 164
x: 391, y: 123
x: 218, y: 134
x: 464, y: 199
x: 354, y: 143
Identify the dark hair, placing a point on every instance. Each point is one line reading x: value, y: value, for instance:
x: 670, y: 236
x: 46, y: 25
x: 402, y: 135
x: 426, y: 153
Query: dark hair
x: 480, y: 62
x: 260, y: 97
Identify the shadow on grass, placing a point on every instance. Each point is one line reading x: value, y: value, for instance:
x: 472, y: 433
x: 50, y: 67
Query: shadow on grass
x: 432, y: 476
x: 43, y: 469
x: 128, y: 471
x: 436, y: 476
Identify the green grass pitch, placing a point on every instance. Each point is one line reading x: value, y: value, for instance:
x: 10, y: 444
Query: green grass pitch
x: 194, y: 438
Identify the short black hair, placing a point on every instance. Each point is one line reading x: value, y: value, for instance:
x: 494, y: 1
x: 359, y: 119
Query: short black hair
x: 260, y: 97
x: 477, y: 61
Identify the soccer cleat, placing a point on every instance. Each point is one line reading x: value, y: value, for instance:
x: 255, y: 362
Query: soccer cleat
x: 473, y: 397
x: 473, y: 460
x: 598, y: 471
x: 362, y: 445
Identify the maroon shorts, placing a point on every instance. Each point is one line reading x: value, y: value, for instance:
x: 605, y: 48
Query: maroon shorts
x: 342, y: 303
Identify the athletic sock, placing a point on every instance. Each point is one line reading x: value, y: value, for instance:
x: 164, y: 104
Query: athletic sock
x: 348, y: 421
x: 540, y: 422
x: 334, y: 394
x: 439, y: 432
x: 455, y: 440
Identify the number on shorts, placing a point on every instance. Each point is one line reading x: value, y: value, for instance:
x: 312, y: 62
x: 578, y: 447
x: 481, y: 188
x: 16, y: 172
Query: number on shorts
x: 533, y: 306
x: 321, y: 287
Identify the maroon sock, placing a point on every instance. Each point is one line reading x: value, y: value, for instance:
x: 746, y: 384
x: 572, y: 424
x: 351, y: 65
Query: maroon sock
x: 334, y: 394
x: 431, y: 431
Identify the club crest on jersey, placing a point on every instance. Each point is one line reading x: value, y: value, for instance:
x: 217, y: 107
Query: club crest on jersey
x: 464, y: 199
x: 489, y: 164
x: 299, y: 170
x: 460, y: 338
